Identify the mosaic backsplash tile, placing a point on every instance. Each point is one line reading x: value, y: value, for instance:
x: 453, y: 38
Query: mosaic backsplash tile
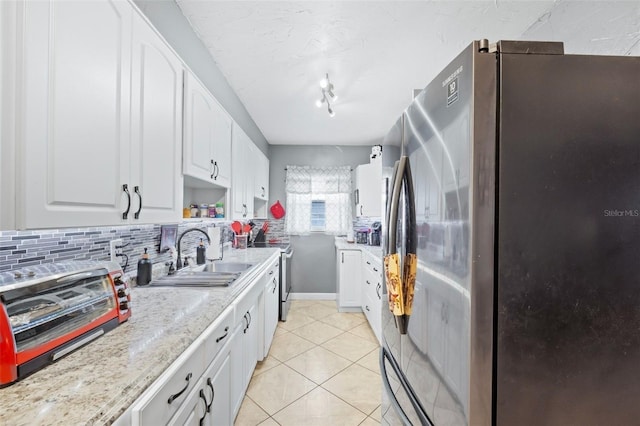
x: 21, y: 249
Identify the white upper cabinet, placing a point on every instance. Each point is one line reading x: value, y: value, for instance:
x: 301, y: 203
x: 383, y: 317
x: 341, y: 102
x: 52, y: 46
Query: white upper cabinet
x: 242, y: 185
x: 156, y: 122
x: 368, y: 192
x: 261, y: 177
x: 85, y: 158
x: 207, y: 136
x: 74, y: 156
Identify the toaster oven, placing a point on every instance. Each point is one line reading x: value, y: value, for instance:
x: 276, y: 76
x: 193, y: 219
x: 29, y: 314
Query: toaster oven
x: 47, y: 314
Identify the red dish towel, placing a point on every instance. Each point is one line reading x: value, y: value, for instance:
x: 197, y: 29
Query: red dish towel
x: 277, y: 210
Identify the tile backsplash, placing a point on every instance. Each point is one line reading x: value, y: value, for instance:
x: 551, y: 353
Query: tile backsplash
x: 21, y: 249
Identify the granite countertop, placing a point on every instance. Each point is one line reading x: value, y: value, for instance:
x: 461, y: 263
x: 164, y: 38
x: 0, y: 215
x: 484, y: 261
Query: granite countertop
x: 342, y: 244
x: 98, y: 382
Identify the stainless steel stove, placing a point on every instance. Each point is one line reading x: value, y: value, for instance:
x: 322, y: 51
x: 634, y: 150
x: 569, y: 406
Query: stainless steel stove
x: 286, y: 257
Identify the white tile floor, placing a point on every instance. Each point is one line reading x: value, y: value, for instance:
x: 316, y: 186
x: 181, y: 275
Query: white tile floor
x: 322, y: 369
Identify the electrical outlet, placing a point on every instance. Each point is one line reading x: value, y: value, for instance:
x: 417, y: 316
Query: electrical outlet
x: 115, y: 249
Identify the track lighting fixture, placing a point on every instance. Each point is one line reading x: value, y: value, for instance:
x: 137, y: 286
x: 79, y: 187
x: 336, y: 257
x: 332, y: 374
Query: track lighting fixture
x: 327, y: 89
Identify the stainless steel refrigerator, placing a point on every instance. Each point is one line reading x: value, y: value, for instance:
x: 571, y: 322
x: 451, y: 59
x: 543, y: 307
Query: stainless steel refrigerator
x: 512, y: 242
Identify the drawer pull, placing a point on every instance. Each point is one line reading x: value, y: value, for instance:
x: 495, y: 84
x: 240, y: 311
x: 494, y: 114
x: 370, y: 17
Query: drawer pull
x: 226, y: 331
x: 213, y: 394
x: 205, y: 407
x: 270, y: 272
x: 375, y: 269
x: 367, y: 307
x: 368, y: 283
x: 177, y: 395
x: 368, y: 263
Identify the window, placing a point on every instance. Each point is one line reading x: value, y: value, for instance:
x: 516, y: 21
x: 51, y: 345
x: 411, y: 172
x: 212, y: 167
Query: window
x: 318, y: 199
x: 318, y: 218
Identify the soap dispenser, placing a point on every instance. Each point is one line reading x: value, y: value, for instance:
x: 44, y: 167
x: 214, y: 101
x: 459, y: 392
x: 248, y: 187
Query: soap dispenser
x: 200, y: 253
x: 144, y: 269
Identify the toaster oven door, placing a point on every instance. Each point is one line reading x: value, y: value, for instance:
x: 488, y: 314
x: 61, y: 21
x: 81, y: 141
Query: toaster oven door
x: 45, y: 314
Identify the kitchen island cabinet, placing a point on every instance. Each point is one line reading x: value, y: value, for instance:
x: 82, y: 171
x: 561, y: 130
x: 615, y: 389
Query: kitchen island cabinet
x: 101, y: 382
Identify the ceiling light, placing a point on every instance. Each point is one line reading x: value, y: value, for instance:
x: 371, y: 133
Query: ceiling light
x: 327, y: 88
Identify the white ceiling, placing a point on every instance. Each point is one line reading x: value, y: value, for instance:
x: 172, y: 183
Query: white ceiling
x: 274, y: 53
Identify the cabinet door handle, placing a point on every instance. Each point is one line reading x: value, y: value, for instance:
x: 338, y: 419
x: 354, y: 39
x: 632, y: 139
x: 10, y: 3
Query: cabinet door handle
x: 247, y: 326
x: 342, y: 257
x: 136, y: 189
x: 177, y: 395
x: 125, y: 188
x: 275, y: 285
x: 367, y: 307
x: 216, y: 170
x: 226, y: 331
x: 378, y: 287
x: 213, y: 394
x: 206, y: 410
x: 249, y: 323
x: 213, y: 168
x: 357, y: 197
x: 262, y: 190
x: 360, y: 209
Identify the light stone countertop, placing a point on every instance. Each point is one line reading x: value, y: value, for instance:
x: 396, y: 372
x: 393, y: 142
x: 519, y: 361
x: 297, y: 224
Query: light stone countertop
x: 98, y: 382
x: 342, y: 244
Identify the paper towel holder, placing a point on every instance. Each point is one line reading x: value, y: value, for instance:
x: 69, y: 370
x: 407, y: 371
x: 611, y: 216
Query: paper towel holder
x: 221, y: 244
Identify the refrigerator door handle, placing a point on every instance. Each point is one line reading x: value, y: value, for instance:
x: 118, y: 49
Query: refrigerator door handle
x: 387, y: 387
x: 393, y: 205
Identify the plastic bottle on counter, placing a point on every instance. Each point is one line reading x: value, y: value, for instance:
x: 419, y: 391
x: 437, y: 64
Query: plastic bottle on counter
x: 204, y: 210
x: 144, y: 269
x: 212, y: 210
x: 200, y: 253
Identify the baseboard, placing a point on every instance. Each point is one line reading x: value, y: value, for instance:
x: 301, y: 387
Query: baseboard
x: 312, y: 296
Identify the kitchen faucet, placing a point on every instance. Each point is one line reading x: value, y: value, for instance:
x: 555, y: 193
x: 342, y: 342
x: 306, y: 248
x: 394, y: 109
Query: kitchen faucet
x: 179, y: 261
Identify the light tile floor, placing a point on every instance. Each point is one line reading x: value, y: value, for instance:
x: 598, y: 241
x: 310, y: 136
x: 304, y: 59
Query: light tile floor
x: 322, y: 369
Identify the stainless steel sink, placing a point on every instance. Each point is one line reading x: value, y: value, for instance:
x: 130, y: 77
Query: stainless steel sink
x: 223, y: 267
x: 208, y: 275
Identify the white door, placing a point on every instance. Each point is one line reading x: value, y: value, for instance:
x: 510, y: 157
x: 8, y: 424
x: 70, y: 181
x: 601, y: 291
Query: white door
x: 349, y: 278
x: 198, y: 130
x: 156, y: 119
x: 242, y: 182
x: 221, y: 146
x: 74, y: 159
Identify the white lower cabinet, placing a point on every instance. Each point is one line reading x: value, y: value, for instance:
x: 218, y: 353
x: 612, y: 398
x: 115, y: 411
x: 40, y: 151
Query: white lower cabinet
x: 208, y: 381
x: 209, y: 402
x: 244, y: 349
x: 372, y: 292
x: 349, y: 279
x: 271, y: 304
